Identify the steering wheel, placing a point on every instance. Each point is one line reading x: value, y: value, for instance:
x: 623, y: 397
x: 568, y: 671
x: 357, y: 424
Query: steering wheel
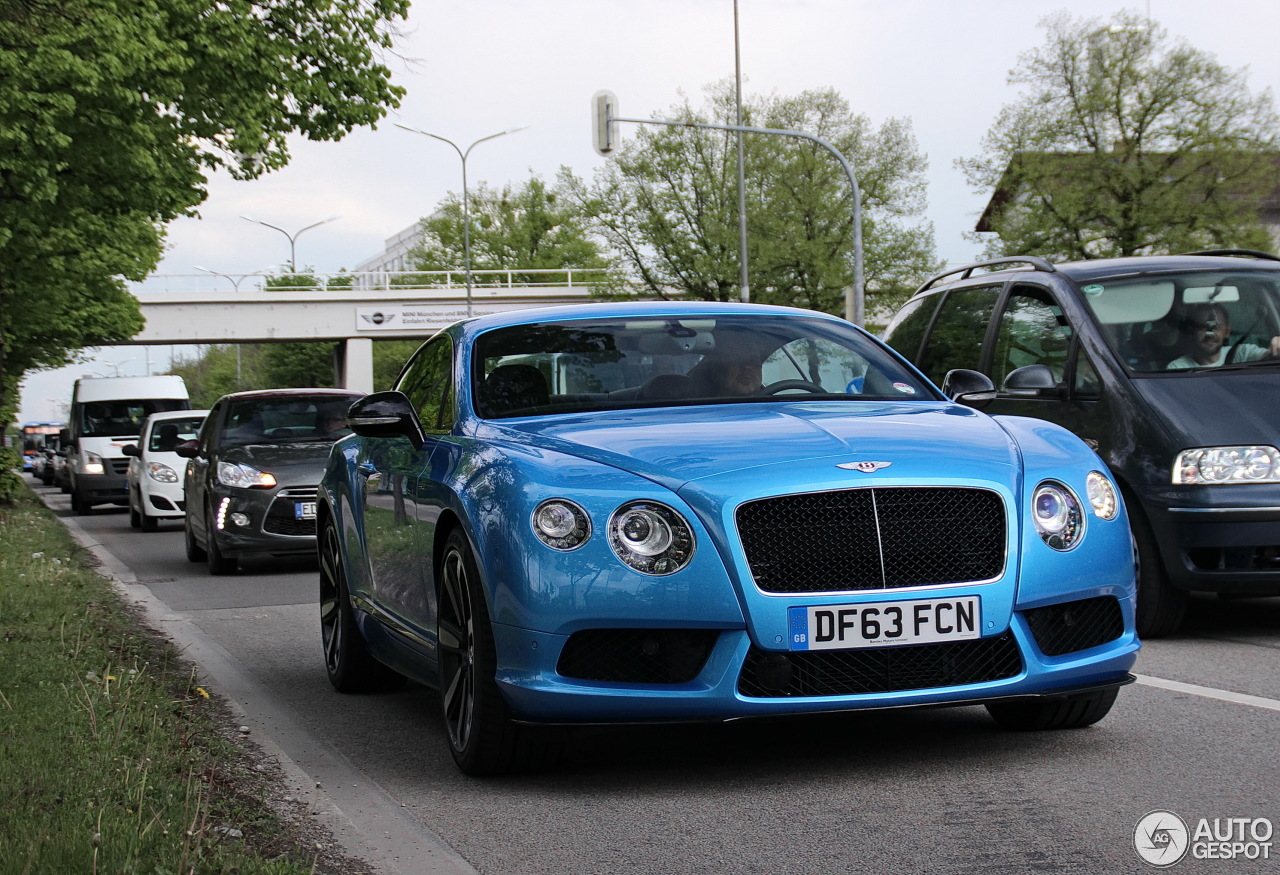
x: 784, y: 385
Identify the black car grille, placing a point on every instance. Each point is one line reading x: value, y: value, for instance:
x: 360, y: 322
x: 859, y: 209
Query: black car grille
x: 872, y: 538
x: 768, y: 674
x: 119, y: 466
x: 637, y: 656
x: 1073, y: 626
x: 282, y: 517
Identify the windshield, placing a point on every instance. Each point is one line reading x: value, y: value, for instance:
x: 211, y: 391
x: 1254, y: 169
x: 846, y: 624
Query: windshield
x: 291, y: 419
x: 1190, y: 321
x: 168, y: 433
x: 121, y: 418
x: 560, y: 367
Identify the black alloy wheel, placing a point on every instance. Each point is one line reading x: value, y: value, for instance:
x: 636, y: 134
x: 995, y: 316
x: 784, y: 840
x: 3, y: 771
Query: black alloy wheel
x: 347, y: 661
x: 483, y: 739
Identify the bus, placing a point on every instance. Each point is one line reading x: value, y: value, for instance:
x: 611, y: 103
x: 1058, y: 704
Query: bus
x: 35, y: 436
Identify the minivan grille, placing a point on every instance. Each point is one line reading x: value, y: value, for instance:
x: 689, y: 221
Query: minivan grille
x: 873, y: 538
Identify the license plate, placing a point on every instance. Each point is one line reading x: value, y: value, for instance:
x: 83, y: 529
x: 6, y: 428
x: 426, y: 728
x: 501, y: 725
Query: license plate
x: 305, y: 510
x: 884, y: 624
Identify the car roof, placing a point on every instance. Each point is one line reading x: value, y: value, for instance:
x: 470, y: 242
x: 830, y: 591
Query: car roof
x: 291, y: 393
x: 634, y: 310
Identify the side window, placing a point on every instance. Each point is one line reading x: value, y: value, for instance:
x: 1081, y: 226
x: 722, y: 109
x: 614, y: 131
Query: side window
x: 1087, y: 384
x: 907, y: 329
x: 428, y: 383
x: 956, y: 340
x: 1032, y: 331
x: 210, y: 429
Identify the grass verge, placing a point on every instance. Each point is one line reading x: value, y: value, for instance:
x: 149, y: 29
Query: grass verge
x: 112, y: 757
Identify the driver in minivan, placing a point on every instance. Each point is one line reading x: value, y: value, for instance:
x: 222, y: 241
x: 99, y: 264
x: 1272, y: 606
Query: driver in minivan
x: 1205, y: 334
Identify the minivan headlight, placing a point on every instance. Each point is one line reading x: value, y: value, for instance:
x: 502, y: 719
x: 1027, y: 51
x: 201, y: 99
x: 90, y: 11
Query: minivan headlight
x: 92, y: 464
x: 244, y: 476
x: 1254, y: 464
x: 1056, y: 512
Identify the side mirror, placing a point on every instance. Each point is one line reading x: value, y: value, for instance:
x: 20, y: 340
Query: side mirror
x: 1031, y: 381
x: 970, y: 388
x: 131, y: 450
x: 386, y: 415
x: 188, y: 449
x: 64, y: 438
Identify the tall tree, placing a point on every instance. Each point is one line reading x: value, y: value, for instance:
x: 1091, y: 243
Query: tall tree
x: 667, y: 204
x: 531, y: 226
x: 112, y: 112
x: 1125, y: 143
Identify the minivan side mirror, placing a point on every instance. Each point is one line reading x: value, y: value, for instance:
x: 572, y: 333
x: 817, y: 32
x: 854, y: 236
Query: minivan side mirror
x: 970, y: 388
x: 187, y: 449
x: 64, y: 439
x: 1031, y: 381
x: 131, y: 450
x: 386, y: 415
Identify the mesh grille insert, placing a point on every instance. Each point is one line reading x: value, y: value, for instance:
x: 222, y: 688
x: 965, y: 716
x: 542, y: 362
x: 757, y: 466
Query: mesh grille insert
x: 860, y: 539
x: 1073, y: 626
x: 880, y: 669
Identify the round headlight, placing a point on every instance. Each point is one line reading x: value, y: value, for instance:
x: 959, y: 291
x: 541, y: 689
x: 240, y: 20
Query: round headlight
x: 1102, y: 495
x: 1057, y: 515
x: 561, y: 524
x: 650, y: 537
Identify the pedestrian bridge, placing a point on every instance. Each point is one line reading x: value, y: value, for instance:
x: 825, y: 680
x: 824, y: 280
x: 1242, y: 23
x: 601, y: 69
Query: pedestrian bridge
x: 351, y: 310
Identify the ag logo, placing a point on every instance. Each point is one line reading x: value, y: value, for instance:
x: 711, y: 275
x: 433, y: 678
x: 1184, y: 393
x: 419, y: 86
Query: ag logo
x: 864, y: 467
x: 1161, y: 838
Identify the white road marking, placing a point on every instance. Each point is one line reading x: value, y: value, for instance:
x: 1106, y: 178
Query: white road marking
x: 1210, y: 693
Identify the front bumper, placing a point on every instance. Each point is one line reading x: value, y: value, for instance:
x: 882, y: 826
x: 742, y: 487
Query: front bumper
x: 1219, y: 539
x: 737, y: 679
x: 274, y: 522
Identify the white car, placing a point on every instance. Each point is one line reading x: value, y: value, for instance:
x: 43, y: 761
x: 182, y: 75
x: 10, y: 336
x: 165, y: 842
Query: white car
x: 156, y: 471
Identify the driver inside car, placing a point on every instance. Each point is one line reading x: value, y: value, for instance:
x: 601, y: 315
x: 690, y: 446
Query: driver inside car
x: 731, y: 370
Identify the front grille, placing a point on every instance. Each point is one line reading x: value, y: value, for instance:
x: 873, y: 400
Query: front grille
x: 282, y: 518
x: 860, y: 539
x: 1073, y: 626
x: 119, y: 466
x: 879, y: 669
x: 637, y: 656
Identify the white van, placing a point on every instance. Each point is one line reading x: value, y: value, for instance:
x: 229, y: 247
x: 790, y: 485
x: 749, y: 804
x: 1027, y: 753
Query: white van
x: 107, y: 414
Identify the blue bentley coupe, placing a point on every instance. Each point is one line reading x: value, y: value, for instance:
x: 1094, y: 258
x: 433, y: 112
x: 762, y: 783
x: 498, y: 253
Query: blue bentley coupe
x: 655, y: 512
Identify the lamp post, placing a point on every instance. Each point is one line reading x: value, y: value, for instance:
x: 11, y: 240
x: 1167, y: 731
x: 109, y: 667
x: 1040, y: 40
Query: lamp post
x: 293, y: 238
x: 743, y: 284
x: 466, y: 197
x: 236, y: 281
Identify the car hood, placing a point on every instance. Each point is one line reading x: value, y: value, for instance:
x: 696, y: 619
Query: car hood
x: 676, y: 446
x: 296, y: 463
x: 1214, y: 408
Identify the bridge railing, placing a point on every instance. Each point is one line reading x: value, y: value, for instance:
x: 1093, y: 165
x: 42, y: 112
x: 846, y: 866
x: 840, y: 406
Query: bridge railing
x: 451, y: 281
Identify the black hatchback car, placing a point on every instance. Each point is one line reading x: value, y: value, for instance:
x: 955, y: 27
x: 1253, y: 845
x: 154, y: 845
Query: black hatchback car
x: 1169, y: 366
x: 250, y: 488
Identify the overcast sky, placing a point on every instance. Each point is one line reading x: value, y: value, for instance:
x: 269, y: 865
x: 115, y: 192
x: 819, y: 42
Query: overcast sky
x: 476, y: 67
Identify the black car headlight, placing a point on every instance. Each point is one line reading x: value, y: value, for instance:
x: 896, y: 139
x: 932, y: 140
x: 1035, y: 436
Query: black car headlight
x: 1208, y: 465
x: 244, y: 476
x: 651, y: 537
x: 561, y: 524
x: 1057, y: 515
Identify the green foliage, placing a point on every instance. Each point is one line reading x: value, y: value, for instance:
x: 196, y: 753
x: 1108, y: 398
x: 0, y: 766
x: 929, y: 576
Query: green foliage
x: 1124, y: 144
x: 112, y: 112
x: 389, y: 357
x: 531, y: 227
x: 113, y: 757
x: 667, y: 205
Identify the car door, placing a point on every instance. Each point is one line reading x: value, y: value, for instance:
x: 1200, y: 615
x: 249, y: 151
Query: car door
x: 199, y: 470
x: 400, y: 514
x: 1032, y: 327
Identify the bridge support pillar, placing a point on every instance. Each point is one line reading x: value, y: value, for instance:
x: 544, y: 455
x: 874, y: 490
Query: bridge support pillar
x: 353, y: 364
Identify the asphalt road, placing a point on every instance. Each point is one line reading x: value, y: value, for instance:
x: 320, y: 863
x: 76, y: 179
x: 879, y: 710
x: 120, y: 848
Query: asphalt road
x: 930, y: 791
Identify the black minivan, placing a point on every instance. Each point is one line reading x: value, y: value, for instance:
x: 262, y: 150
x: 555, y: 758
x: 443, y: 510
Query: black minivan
x: 1169, y: 366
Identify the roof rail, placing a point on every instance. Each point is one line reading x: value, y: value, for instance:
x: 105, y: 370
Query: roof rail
x: 1035, y: 261
x: 1243, y: 253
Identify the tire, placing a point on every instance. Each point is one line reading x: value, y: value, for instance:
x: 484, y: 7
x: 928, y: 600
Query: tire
x: 1071, y: 712
x: 1160, y: 606
x: 219, y: 564
x: 149, y: 523
x: 79, y: 505
x: 195, y: 553
x: 482, y: 737
x: 135, y: 518
x: 347, y: 661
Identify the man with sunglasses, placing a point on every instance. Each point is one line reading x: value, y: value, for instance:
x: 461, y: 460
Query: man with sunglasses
x: 1206, y: 331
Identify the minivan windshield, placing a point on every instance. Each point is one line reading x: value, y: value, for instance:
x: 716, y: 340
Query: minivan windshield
x: 557, y: 367
x: 1183, y: 322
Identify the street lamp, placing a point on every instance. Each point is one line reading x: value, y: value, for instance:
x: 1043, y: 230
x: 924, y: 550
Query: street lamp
x: 466, y: 198
x: 235, y: 280
x: 293, y: 238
